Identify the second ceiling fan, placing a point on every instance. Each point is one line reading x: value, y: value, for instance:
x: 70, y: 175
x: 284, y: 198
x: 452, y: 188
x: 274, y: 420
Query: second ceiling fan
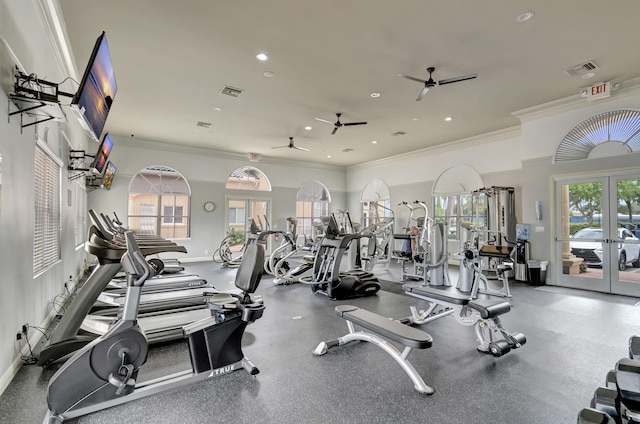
x: 339, y: 124
x: 291, y: 145
x: 430, y: 83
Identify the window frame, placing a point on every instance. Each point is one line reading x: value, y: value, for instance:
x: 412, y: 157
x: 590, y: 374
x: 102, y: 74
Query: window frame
x: 47, y: 247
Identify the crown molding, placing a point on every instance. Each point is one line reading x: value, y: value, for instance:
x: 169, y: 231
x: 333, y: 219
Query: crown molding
x: 220, y: 154
x: 498, y: 135
x: 567, y: 104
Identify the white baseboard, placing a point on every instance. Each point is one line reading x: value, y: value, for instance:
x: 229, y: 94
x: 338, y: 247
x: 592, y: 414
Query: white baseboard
x: 17, y: 362
x: 201, y: 259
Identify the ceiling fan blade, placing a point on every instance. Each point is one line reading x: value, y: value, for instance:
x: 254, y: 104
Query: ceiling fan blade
x: 301, y: 148
x: 279, y: 147
x: 334, y: 130
x: 457, y: 79
x: 354, y: 123
x: 422, y: 93
x: 324, y: 120
x: 412, y: 78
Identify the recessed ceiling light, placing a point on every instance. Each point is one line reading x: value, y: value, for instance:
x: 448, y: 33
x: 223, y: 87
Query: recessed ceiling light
x: 374, y: 142
x: 526, y: 16
x: 308, y: 128
x: 448, y: 118
x: 375, y: 95
x: 589, y: 75
x: 262, y: 56
x: 415, y: 119
x: 217, y: 109
x: 328, y: 156
x: 268, y: 74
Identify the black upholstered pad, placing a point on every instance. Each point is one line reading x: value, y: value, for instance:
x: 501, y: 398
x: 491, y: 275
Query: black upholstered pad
x: 385, y: 327
x: 442, y: 293
x: 490, y: 308
x: 402, y: 236
x: 250, y: 269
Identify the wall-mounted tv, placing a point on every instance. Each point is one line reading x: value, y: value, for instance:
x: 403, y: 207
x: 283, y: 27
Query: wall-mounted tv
x: 102, y: 155
x: 97, y: 90
x: 109, y: 173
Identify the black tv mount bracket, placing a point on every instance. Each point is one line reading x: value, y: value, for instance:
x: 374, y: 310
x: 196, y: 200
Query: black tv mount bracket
x: 37, y: 98
x: 77, y: 166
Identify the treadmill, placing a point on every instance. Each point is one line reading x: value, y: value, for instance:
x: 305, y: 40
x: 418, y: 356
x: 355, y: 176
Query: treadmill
x: 65, y: 339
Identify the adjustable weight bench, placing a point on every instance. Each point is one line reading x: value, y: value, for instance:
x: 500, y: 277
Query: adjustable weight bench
x: 483, y: 314
x: 379, y: 330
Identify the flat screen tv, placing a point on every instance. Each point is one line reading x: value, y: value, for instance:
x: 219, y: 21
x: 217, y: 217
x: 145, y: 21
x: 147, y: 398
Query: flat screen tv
x: 94, y: 97
x: 109, y: 173
x: 102, y: 155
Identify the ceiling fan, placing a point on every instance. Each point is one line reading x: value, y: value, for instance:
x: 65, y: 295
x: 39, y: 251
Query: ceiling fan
x: 430, y: 83
x: 339, y: 124
x: 291, y: 146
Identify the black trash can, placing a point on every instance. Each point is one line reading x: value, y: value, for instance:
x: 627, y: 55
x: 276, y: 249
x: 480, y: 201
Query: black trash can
x: 535, y: 273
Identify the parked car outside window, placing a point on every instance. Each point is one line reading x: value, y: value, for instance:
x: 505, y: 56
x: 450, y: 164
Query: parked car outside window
x: 591, y: 251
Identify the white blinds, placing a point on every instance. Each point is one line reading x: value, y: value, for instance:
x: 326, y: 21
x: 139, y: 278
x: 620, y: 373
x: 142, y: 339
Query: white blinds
x: 46, y: 237
x: 81, y: 213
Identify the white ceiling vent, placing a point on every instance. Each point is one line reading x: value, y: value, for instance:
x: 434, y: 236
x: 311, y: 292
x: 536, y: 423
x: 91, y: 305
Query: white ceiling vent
x: 203, y: 124
x: 581, y: 69
x: 230, y: 91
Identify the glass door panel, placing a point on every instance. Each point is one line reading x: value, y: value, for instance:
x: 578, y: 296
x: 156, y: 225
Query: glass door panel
x: 581, y: 247
x: 240, y: 213
x: 598, y: 242
x: 625, y: 241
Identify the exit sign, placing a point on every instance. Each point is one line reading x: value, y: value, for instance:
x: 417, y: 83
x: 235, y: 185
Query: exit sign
x: 599, y: 91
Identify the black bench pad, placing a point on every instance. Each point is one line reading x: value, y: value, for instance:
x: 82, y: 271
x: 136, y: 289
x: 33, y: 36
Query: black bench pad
x: 383, y: 326
x: 490, y: 308
x: 443, y: 293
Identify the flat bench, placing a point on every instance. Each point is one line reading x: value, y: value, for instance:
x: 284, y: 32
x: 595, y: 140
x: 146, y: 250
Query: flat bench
x: 380, y: 329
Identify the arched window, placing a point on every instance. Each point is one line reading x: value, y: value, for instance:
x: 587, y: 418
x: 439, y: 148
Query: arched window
x: 159, y: 203
x: 453, y: 201
x: 248, y: 178
x: 376, y: 204
x: 611, y: 133
x: 312, y: 202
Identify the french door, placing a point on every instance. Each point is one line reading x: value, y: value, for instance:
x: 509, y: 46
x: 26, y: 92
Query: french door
x: 241, y: 212
x: 598, y: 233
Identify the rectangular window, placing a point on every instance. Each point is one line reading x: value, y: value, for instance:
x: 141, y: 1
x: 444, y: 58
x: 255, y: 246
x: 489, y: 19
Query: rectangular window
x: 46, y: 237
x: 308, y: 213
x: 236, y: 216
x: 454, y: 210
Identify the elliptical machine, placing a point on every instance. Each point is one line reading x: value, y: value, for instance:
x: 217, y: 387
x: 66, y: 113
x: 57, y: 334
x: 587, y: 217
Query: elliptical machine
x: 327, y: 278
x: 103, y: 373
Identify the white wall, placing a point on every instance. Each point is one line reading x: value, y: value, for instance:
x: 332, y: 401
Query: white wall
x: 25, y: 299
